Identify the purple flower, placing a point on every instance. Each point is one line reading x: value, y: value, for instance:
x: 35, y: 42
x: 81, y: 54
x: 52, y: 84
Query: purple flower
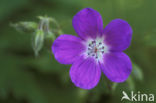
x: 95, y: 49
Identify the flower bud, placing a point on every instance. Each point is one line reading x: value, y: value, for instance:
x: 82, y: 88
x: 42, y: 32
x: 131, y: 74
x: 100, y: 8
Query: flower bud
x: 25, y: 26
x: 38, y: 41
x: 50, y: 35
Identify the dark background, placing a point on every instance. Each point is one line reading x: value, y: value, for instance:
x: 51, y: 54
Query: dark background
x: 26, y: 79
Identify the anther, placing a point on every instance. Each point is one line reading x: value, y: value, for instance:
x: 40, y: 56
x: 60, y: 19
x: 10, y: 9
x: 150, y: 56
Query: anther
x: 89, y: 48
x: 93, y: 42
x: 100, y: 43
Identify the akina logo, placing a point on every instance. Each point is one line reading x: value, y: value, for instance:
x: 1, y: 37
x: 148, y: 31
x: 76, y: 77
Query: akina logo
x: 137, y: 96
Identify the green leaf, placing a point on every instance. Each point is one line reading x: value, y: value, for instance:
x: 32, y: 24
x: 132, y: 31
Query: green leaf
x: 137, y: 72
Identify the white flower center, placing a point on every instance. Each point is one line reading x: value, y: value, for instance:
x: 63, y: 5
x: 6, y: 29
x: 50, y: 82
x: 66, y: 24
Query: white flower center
x: 96, y: 48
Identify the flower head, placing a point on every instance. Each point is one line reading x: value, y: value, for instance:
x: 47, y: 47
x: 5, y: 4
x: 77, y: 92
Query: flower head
x: 95, y: 50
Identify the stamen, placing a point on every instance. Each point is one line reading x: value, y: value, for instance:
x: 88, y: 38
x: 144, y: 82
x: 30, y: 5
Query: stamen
x: 95, y: 49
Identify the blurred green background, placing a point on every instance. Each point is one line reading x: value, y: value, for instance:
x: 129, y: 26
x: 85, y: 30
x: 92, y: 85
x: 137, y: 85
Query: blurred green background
x: 26, y: 79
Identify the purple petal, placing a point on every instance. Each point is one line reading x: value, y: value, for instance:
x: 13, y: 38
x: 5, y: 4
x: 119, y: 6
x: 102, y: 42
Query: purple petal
x: 88, y: 23
x: 118, y: 34
x: 66, y: 48
x: 85, y: 73
x: 116, y: 66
